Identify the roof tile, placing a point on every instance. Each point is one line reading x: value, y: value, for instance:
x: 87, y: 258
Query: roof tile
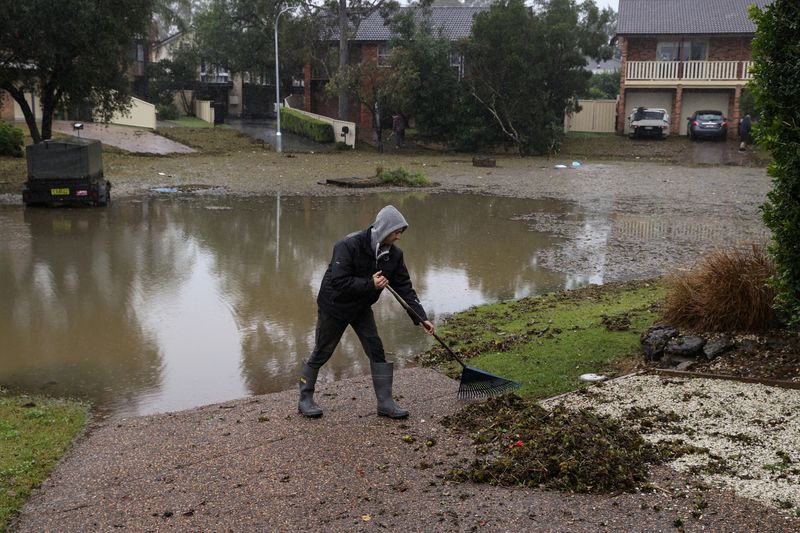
x: 689, y: 17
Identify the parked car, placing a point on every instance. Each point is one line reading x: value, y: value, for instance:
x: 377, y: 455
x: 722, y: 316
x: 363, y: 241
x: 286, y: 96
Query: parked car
x: 66, y: 171
x: 707, y: 124
x: 649, y: 122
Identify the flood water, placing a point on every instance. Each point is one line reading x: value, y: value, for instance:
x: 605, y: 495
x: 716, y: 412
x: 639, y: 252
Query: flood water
x: 166, y: 303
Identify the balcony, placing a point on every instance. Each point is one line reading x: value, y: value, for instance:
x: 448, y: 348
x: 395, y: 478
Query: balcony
x: 665, y: 73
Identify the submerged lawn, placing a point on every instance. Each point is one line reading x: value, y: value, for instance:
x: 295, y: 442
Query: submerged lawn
x: 34, y: 434
x: 546, y: 342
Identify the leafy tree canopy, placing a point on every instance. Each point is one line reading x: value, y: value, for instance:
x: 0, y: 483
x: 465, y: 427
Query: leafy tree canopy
x: 74, y: 55
x: 526, y: 65
x: 239, y: 35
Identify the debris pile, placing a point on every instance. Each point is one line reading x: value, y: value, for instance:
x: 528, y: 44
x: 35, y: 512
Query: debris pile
x: 518, y: 442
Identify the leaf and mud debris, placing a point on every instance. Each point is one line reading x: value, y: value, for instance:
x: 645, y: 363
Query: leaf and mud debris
x: 520, y: 443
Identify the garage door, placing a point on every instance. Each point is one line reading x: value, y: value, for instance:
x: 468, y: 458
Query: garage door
x: 695, y: 101
x: 636, y: 99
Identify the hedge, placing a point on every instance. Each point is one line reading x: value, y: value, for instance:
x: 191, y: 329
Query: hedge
x: 11, y: 140
x: 316, y: 130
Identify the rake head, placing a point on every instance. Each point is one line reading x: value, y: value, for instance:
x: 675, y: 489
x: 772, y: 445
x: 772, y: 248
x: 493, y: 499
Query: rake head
x: 477, y: 384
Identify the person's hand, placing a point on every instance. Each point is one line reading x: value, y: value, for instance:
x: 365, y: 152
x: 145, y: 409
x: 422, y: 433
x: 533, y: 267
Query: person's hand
x: 428, y: 326
x: 379, y: 281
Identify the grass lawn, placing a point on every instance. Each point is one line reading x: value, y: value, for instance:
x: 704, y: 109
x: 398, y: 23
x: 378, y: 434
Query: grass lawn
x: 34, y: 434
x: 194, y: 122
x: 546, y: 342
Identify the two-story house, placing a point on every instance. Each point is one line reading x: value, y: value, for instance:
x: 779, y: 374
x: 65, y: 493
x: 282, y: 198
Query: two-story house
x: 683, y: 56
x: 371, y: 42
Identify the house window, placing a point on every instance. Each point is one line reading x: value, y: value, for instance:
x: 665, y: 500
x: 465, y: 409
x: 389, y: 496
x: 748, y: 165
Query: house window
x: 457, y: 63
x: 383, y: 54
x: 685, y: 51
x: 695, y: 51
x: 668, y: 51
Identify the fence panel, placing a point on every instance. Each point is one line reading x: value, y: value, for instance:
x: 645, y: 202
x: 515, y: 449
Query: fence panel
x: 596, y: 116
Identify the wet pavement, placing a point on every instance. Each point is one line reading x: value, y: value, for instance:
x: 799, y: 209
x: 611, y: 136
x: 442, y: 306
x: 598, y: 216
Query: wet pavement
x: 256, y: 465
x: 266, y: 131
x: 143, y: 141
x: 137, y: 140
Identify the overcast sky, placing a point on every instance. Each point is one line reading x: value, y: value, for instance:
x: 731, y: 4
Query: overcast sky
x: 613, y: 4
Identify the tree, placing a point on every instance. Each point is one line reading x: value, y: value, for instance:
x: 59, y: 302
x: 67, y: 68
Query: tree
x: 346, y: 18
x: 427, y: 86
x: 372, y: 86
x: 239, y: 36
x: 526, y: 65
x: 169, y: 76
x: 776, y: 86
x: 604, y: 85
x: 74, y: 55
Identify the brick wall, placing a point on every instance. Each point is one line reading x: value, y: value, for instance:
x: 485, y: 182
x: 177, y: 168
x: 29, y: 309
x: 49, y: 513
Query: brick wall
x: 729, y: 49
x: 6, y: 107
x: 642, y: 48
x: 369, y: 52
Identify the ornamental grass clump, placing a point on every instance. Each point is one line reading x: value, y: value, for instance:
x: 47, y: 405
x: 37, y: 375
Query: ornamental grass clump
x: 521, y: 443
x: 726, y: 291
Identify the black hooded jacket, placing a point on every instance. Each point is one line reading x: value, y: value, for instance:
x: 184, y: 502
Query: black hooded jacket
x: 347, y: 288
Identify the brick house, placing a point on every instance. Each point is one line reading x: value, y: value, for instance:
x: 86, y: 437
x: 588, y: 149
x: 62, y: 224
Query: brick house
x: 683, y: 56
x: 372, y: 42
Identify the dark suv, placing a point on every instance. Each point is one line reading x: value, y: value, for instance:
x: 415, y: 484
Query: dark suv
x: 707, y: 125
x: 66, y: 172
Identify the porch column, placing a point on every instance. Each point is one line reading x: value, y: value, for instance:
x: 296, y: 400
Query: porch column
x: 735, y: 113
x: 677, y: 109
x: 623, y: 46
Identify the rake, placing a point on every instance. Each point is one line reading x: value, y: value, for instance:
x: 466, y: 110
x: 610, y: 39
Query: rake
x: 475, y: 383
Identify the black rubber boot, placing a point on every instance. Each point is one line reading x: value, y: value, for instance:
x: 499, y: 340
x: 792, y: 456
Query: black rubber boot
x: 382, y: 374
x: 306, y: 405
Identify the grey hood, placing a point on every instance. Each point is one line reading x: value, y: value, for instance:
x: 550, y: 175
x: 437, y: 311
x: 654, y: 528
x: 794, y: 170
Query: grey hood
x: 388, y: 220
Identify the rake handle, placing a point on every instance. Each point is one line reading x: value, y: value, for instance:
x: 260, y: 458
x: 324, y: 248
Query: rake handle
x: 419, y: 318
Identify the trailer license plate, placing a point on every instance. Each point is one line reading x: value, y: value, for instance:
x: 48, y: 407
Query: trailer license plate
x: 60, y: 192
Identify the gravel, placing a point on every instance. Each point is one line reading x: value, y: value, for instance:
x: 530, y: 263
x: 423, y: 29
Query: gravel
x: 751, y: 431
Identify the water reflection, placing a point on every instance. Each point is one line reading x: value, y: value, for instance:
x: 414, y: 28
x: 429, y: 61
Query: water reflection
x: 168, y: 303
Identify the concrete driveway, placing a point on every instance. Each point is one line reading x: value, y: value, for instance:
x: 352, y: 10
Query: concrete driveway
x: 131, y: 139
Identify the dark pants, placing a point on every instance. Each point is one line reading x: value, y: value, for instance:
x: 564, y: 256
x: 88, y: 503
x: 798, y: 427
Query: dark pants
x: 330, y: 330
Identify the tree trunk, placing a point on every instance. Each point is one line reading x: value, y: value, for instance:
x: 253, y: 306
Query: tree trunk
x: 49, y: 102
x: 344, y: 57
x: 19, y: 96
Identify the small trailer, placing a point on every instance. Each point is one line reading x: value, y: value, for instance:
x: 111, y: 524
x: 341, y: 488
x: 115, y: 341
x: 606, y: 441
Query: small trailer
x: 66, y: 171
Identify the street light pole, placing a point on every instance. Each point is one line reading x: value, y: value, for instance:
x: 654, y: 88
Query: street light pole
x: 278, y: 138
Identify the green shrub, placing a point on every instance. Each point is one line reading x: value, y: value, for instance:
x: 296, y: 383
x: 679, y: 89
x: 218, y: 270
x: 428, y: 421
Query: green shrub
x: 11, y: 140
x: 401, y: 176
x: 316, y: 130
x: 776, y: 87
x: 166, y: 111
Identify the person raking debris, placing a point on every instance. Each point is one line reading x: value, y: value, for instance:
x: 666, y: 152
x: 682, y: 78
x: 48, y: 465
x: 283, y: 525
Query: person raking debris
x: 363, y: 264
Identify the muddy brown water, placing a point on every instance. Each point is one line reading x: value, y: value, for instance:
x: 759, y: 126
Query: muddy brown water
x: 172, y: 301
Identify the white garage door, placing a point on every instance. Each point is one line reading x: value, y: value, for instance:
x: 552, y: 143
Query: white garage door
x: 695, y: 101
x: 633, y: 100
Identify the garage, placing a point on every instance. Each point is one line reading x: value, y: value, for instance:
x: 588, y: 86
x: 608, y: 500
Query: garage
x: 634, y: 99
x: 697, y: 100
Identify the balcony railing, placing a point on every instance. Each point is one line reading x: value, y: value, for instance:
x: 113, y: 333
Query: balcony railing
x: 688, y: 70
